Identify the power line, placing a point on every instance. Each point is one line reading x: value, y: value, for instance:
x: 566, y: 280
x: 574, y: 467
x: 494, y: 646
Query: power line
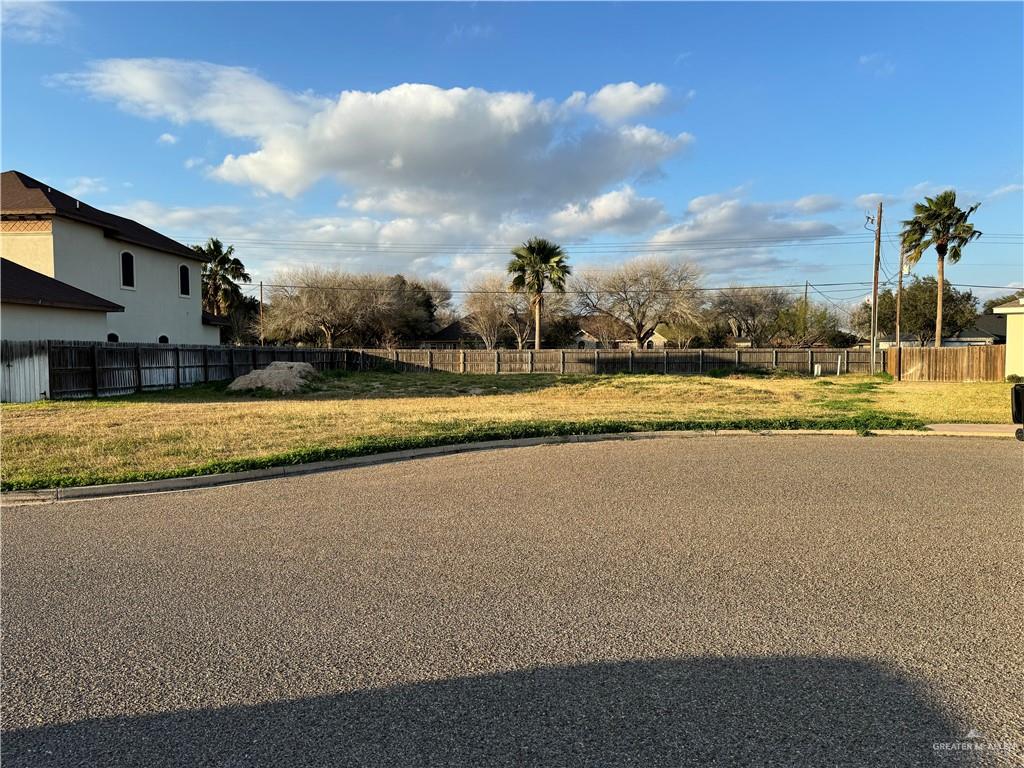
x: 793, y: 287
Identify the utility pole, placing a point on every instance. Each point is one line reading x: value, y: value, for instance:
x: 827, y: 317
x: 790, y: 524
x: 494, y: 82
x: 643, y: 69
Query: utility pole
x: 899, y: 335
x: 874, y: 290
x: 261, y: 313
x: 804, y: 330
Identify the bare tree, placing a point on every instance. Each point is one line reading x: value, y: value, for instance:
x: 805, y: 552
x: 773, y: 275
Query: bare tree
x: 640, y: 294
x: 519, y: 317
x: 486, y: 309
x: 756, y: 314
x: 328, y: 306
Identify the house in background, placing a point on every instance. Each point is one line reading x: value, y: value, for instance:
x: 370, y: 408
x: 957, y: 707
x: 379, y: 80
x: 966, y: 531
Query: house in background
x: 986, y: 329
x: 34, y: 307
x: 152, y: 284
x: 602, y: 332
x: 1014, y: 312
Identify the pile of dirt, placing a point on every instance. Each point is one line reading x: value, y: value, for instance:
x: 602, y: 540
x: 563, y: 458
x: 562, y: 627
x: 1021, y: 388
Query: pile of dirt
x: 277, y: 377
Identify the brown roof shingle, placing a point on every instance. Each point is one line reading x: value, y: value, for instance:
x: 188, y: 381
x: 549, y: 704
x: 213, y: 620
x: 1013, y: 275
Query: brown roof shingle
x: 21, y: 195
x: 21, y: 285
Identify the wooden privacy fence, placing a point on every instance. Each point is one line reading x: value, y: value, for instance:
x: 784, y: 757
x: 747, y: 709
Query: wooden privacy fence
x: 986, y: 363
x: 74, y: 369
x: 832, y: 361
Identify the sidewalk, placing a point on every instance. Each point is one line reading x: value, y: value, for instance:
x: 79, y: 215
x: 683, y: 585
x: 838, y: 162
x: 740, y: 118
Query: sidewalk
x: 974, y: 430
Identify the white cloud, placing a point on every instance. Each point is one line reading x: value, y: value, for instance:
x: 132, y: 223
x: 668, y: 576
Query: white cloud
x: 879, y: 64
x: 715, y: 227
x: 620, y: 211
x: 817, y: 203
x: 469, y: 32
x: 1008, y: 189
x: 86, y: 185
x: 872, y: 199
x: 34, y: 22
x: 619, y: 102
x: 194, y: 162
x: 410, y: 148
x: 167, y: 138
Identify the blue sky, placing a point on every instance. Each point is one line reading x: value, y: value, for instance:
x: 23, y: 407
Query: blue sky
x: 427, y: 138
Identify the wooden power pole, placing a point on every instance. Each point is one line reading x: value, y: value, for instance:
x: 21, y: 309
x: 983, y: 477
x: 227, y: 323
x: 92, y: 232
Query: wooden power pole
x: 261, y: 313
x: 874, y: 290
x: 899, y: 332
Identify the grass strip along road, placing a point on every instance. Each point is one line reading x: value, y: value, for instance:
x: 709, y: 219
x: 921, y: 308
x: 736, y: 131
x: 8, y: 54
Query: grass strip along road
x: 206, y: 430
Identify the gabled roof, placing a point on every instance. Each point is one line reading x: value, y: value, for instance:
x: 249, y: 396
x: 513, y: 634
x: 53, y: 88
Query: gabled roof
x: 1011, y: 307
x: 21, y: 195
x: 454, y: 331
x: 21, y: 285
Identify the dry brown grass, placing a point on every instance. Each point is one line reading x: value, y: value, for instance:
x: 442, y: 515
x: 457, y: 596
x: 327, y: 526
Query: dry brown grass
x: 187, y: 428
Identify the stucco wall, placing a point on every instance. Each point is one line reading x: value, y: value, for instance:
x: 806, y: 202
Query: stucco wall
x: 92, y: 262
x: 19, y: 322
x: 1015, y: 344
x: 28, y: 243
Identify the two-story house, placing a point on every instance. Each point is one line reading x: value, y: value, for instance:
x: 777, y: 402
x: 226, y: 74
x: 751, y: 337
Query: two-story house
x: 152, y: 284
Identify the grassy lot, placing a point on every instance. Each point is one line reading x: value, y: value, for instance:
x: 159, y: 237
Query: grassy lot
x: 206, y: 429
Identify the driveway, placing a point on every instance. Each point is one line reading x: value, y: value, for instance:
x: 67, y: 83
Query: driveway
x: 745, y: 600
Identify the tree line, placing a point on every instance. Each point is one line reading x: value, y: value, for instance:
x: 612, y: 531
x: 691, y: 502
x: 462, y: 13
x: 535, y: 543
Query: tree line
x: 541, y: 301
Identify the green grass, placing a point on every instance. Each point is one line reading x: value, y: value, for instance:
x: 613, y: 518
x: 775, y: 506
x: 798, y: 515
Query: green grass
x: 458, y: 433
x: 206, y: 429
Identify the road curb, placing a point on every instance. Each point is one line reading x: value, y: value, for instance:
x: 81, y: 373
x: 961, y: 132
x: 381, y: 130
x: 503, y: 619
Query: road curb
x: 16, y: 498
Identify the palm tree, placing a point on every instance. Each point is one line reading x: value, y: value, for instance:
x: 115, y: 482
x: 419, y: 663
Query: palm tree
x: 536, y: 264
x: 938, y: 223
x: 221, y: 274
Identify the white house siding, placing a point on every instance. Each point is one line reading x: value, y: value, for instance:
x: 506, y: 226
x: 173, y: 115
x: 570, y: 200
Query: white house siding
x: 21, y: 322
x: 88, y: 260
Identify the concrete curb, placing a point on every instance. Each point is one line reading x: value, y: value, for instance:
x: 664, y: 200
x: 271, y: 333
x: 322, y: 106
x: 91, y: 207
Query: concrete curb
x: 16, y: 498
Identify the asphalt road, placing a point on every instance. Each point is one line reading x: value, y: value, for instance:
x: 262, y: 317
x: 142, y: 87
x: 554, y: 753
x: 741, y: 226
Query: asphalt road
x: 762, y: 601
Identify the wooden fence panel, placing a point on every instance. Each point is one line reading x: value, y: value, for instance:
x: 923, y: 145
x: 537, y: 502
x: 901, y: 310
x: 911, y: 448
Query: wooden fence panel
x: 25, y: 367
x: 981, y: 363
x: 88, y: 369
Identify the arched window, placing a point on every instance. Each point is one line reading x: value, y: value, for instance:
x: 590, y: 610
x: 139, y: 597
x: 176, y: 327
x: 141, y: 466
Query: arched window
x: 163, y: 340
x: 112, y: 337
x: 184, y: 287
x: 650, y: 344
x: 127, y: 270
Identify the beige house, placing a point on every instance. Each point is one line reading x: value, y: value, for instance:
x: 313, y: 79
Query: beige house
x: 1014, y: 311
x: 156, y: 281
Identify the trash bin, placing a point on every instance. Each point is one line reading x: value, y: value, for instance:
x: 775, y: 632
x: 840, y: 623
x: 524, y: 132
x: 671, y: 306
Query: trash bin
x: 1017, y: 407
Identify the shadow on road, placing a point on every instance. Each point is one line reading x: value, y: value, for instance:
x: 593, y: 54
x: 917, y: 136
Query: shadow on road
x: 731, y: 712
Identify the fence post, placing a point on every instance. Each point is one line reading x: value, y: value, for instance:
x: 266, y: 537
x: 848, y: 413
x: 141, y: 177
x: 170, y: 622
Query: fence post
x: 561, y: 364
x: 206, y: 365
x: 846, y: 361
x: 736, y: 363
x: 138, y: 367
x: 899, y: 363
x: 231, y: 361
x: 177, y: 366
x: 775, y: 358
x: 497, y: 362
x: 665, y: 361
x: 630, y: 360
x: 700, y: 360
x: 430, y: 361
x: 810, y: 360
x: 529, y: 361
x: 462, y: 361
x: 95, y: 370
x: 597, y: 359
